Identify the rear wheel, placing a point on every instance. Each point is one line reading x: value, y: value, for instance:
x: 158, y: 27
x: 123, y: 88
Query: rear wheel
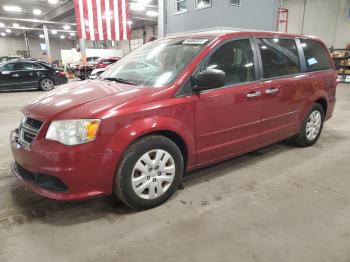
x: 312, y: 126
x: 149, y: 172
x: 46, y: 84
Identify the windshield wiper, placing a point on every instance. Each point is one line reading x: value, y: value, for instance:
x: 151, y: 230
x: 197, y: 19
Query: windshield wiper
x: 120, y: 80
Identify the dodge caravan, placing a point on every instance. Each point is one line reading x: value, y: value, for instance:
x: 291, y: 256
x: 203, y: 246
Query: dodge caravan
x: 172, y: 106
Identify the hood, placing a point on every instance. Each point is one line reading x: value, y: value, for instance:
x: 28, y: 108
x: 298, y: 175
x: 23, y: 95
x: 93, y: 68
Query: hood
x: 74, y: 95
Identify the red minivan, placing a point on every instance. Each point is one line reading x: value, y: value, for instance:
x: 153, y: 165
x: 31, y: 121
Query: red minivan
x: 172, y: 106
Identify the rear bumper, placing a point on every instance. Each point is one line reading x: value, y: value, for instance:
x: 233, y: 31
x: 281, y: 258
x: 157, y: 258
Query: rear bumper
x: 82, y: 73
x: 330, y: 109
x: 60, y: 80
x: 47, y: 164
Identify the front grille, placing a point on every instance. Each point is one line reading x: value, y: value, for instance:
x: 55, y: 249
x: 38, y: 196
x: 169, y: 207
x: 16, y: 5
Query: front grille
x: 45, y: 181
x: 28, y: 130
x: 33, y: 123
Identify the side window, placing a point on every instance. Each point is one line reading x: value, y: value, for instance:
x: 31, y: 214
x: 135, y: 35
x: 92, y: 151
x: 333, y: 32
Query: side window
x: 315, y: 55
x: 279, y: 57
x: 235, y: 58
x: 30, y: 66
x: 7, y: 67
x: 140, y: 66
x: 36, y: 66
x: 180, y: 6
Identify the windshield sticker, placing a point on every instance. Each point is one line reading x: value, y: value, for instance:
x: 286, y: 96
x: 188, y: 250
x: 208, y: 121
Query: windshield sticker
x: 194, y: 41
x: 312, y: 61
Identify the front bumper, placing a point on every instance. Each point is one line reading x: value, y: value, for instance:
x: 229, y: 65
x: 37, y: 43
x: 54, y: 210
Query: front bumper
x: 84, y: 173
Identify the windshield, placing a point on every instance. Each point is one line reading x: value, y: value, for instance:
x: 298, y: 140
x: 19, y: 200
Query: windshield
x: 157, y: 63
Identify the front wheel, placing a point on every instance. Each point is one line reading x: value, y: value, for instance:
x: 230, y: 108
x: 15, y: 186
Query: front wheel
x: 46, y: 84
x: 312, y: 126
x: 149, y: 172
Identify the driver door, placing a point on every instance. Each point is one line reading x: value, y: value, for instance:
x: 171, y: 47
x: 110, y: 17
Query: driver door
x: 227, y: 119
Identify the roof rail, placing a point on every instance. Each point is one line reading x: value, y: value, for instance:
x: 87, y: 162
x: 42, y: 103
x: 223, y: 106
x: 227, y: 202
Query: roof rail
x: 218, y: 28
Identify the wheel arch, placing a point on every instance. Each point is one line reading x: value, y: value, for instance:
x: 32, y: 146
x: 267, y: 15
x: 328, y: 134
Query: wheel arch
x: 172, y: 129
x: 319, y: 97
x: 176, y: 138
x: 323, y: 102
x: 47, y: 76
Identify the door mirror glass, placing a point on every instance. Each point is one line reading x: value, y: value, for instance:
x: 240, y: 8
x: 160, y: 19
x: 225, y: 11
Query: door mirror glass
x: 210, y: 78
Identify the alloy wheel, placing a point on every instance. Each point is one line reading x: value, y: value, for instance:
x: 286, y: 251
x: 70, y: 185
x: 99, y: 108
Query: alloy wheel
x: 313, y: 125
x: 47, y: 84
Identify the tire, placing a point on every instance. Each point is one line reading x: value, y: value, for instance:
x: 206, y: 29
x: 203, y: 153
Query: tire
x: 310, y: 130
x: 46, y: 84
x: 138, y: 182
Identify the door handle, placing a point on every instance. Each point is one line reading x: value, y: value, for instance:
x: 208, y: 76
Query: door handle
x: 272, y: 90
x: 15, y: 75
x: 254, y: 94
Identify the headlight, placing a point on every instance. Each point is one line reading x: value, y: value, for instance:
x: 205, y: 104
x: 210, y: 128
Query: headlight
x: 73, y: 132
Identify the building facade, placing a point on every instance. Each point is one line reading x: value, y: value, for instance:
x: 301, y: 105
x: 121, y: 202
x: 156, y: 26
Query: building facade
x: 192, y: 15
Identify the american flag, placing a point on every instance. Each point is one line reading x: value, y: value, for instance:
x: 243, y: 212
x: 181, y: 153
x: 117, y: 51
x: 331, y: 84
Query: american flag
x: 102, y: 19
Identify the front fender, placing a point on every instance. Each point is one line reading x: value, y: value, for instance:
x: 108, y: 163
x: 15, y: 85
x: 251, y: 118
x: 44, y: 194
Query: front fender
x: 127, y: 135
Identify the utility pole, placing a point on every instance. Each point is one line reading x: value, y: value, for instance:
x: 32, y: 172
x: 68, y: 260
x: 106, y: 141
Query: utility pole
x: 27, y: 42
x: 161, y: 18
x: 47, y: 43
x: 82, y: 51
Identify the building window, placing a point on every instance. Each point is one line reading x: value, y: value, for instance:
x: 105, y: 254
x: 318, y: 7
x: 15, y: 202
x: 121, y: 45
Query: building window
x: 180, y: 6
x: 235, y: 2
x: 200, y: 4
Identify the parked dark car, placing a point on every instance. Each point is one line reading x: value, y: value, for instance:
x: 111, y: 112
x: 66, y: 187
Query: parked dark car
x: 26, y: 74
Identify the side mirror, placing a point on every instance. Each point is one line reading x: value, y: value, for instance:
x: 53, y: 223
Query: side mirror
x: 210, y: 78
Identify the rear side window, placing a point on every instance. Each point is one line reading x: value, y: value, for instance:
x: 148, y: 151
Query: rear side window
x: 30, y: 66
x: 315, y: 55
x: 279, y: 57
